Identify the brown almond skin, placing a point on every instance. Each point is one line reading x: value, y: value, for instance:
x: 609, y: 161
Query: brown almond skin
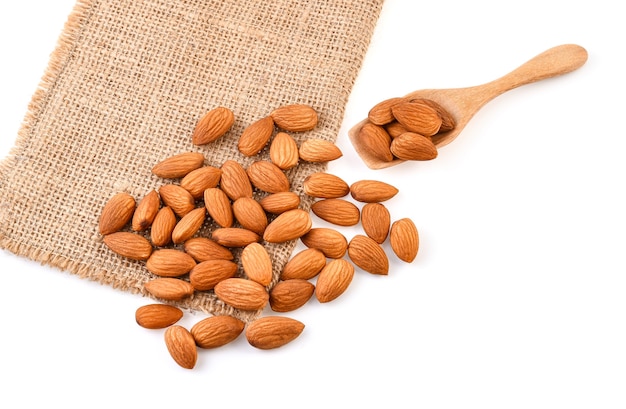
x: 295, y: 117
x: 235, y: 182
x: 157, y: 316
x: 199, y: 180
x: 219, y: 207
x: 170, y: 289
x: 146, y: 211
x: 319, y: 150
x: 203, y: 249
x: 257, y: 264
x: 368, y: 255
x: 170, y: 263
x: 376, y: 141
x: 234, y: 236
x: 205, y: 275
x: 284, y: 151
x: 447, y: 121
x: 278, y: 203
x: 325, y: 186
x: 376, y: 221
x: 289, y: 295
x: 182, y: 346
x: 162, y: 227
x: 242, y: 294
x: 337, y: 211
x: 273, y: 332
x: 288, y: 226
x: 372, y: 191
x: 381, y: 114
x: 254, y: 138
x: 417, y: 117
x: 116, y: 213
x: 178, y: 166
x: 413, y: 146
x: 404, y: 239
x: 188, y: 225
x: 304, y: 265
x: 250, y: 214
x: 129, y: 245
x: 213, y: 125
x: 329, y: 241
x: 266, y: 176
x: 216, y: 331
x: 177, y: 198
x: 395, y: 129
x: 334, y: 280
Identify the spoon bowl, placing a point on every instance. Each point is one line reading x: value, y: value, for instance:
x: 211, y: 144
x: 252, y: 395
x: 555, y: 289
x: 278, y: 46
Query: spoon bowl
x: 463, y: 103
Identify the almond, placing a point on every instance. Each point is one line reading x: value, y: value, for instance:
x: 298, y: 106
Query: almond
x: 116, y: 213
x: 280, y: 202
x: 157, y: 316
x: 417, y: 117
x: 177, y: 198
x: 167, y: 288
x: 289, y: 295
x: 273, y: 332
x: 404, y: 239
x: 304, y: 265
x: 162, y: 227
x: 368, y: 255
x: 329, y: 241
x: 413, y: 146
x: 287, y: 226
x: 203, y: 249
x: 376, y: 220
x: 205, y: 275
x: 216, y: 331
x: 257, y: 264
x: 242, y: 294
x: 319, y: 150
x: 337, y: 211
x: 447, y: 121
x: 325, y: 185
x: 376, y: 141
x: 234, y: 236
x: 170, y: 263
x: 178, y: 166
x: 295, y: 118
x: 218, y: 205
x: 188, y: 225
x: 395, y: 129
x: 146, y: 211
x: 254, y: 138
x: 235, y: 182
x: 181, y: 346
x: 129, y: 245
x: 250, y: 214
x: 372, y: 191
x: 199, y: 180
x: 333, y: 280
x: 268, y: 177
x: 381, y: 114
x: 284, y: 151
x: 213, y: 125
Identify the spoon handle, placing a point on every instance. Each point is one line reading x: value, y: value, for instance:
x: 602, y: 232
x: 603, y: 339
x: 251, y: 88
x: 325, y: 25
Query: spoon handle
x: 551, y: 63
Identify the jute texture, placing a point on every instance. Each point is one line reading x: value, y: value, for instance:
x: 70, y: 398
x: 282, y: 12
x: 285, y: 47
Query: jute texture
x: 124, y: 90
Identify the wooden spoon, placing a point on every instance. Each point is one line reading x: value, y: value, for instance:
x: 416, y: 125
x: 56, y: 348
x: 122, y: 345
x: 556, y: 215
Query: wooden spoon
x: 463, y: 103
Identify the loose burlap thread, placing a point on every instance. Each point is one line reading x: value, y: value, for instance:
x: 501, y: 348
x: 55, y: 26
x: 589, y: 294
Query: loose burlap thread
x: 124, y: 89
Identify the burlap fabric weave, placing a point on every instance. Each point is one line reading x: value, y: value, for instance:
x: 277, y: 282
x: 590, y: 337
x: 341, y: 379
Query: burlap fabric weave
x: 124, y: 89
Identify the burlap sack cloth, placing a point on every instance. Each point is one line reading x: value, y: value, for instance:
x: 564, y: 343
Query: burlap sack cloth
x: 124, y: 90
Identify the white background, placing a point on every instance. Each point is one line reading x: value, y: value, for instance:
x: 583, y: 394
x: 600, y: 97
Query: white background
x: 517, y: 298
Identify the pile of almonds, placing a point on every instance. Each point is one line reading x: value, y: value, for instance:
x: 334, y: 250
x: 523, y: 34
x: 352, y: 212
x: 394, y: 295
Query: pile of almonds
x: 403, y: 128
x: 250, y: 207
